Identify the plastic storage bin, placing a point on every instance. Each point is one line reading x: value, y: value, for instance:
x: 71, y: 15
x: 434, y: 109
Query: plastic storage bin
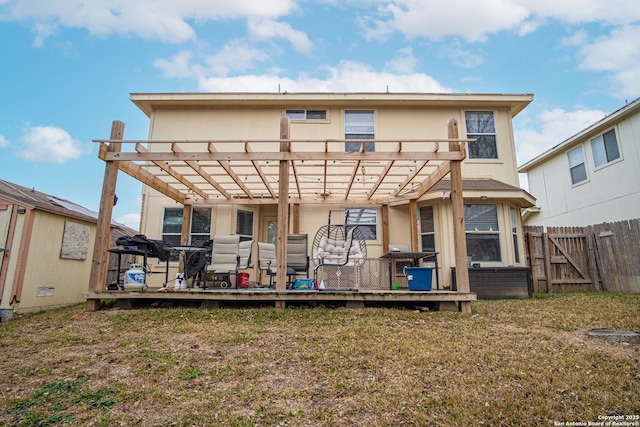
x: 419, y: 278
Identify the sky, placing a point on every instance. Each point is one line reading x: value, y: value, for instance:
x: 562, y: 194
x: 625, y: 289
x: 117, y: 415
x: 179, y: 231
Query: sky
x: 68, y: 67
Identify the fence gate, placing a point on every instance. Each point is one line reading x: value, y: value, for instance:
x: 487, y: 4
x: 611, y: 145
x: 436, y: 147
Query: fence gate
x: 617, y: 249
x: 561, y: 259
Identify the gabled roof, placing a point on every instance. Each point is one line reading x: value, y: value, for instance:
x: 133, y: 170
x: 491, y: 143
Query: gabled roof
x: 32, y: 198
x: 585, y: 134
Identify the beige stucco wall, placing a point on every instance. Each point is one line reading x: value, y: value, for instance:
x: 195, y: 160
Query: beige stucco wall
x: 391, y: 122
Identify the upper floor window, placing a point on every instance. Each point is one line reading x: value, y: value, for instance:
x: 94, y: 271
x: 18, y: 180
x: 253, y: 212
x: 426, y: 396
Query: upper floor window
x: 244, y: 225
x: 483, y: 234
x: 306, y: 114
x: 576, y: 165
x: 427, y: 229
x: 365, y: 219
x: 605, y: 148
x: 482, y: 127
x: 359, y: 124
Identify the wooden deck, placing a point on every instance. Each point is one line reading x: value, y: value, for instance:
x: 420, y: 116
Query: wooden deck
x: 220, y: 297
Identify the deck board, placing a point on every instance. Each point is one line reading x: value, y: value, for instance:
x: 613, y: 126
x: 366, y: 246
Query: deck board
x: 268, y: 295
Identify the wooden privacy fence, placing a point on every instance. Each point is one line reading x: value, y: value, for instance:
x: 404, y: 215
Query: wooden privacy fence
x: 603, y: 257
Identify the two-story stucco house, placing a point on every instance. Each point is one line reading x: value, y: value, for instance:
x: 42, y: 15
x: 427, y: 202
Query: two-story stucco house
x: 376, y: 196
x: 592, y: 177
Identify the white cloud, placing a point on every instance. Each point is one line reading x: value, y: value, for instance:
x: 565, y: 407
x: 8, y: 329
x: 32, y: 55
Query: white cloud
x: 42, y: 31
x: 4, y: 142
x: 474, y: 21
x: 266, y: 29
x: 165, y: 20
x: 178, y: 66
x: 131, y: 220
x: 619, y: 54
x: 461, y: 57
x: 348, y: 76
x: 236, y: 55
x: 433, y: 19
x: 49, y: 144
x: 578, y: 38
x: 404, y: 63
x: 613, y: 12
x: 550, y: 128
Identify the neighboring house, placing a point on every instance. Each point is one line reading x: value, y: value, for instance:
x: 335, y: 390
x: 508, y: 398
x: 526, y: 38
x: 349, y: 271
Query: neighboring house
x: 592, y: 177
x: 492, y: 197
x: 46, y: 247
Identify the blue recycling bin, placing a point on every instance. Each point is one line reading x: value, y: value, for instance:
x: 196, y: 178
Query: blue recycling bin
x: 419, y: 278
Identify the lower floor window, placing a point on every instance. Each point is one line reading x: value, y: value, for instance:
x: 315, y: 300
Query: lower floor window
x: 483, y: 234
x: 427, y: 229
x: 172, y: 227
x: 365, y: 219
x: 244, y: 225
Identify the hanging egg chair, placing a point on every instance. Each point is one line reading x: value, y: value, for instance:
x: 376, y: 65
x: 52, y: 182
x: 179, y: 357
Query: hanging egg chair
x: 338, y: 245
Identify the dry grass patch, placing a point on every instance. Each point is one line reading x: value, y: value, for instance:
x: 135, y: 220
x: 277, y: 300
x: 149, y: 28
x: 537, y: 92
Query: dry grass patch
x: 510, y: 363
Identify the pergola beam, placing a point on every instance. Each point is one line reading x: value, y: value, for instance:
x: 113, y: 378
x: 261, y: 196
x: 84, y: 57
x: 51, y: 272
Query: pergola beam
x: 168, y: 169
x: 262, y: 175
x: 225, y: 165
x: 153, y: 156
x: 200, y: 171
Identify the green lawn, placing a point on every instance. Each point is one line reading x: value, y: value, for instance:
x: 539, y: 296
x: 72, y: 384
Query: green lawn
x: 509, y: 363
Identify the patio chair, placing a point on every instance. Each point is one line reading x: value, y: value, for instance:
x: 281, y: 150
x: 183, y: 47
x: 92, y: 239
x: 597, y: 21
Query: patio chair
x: 245, y: 249
x: 225, y: 259
x: 298, y: 255
x: 267, y: 261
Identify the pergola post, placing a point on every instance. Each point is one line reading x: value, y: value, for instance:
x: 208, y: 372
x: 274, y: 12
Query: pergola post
x: 385, y: 227
x: 283, y: 213
x: 457, y: 207
x: 414, y: 226
x: 184, y: 231
x: 99, y: 260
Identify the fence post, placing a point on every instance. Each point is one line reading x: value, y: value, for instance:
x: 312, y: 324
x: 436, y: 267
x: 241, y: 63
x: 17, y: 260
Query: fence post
x: 547, y: 261
x: 594, y: 258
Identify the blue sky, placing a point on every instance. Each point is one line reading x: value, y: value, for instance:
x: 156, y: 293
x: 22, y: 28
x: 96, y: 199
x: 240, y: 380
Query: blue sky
x: 68, y: 67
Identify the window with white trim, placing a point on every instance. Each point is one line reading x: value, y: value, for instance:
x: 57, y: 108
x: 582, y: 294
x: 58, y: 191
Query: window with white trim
x: 577, y: 167
x: 172, y: 226
x: 200, y: 224
x: 427, y: 229
x: 605, y: 148
x: 483, y: 233
x: 481, y: 126
x: 365, y: 219
x: 303, y: 114
x: 360, y: 125
x: 244, y: 225
x: 514, y: 233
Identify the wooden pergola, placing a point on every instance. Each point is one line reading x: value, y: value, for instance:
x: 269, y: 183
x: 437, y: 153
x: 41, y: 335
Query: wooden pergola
x: 285, y: 172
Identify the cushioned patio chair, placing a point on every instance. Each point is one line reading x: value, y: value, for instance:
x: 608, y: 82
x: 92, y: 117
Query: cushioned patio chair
x: 267, y: 261
x: 225, y: 260
x: 298, y: 255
